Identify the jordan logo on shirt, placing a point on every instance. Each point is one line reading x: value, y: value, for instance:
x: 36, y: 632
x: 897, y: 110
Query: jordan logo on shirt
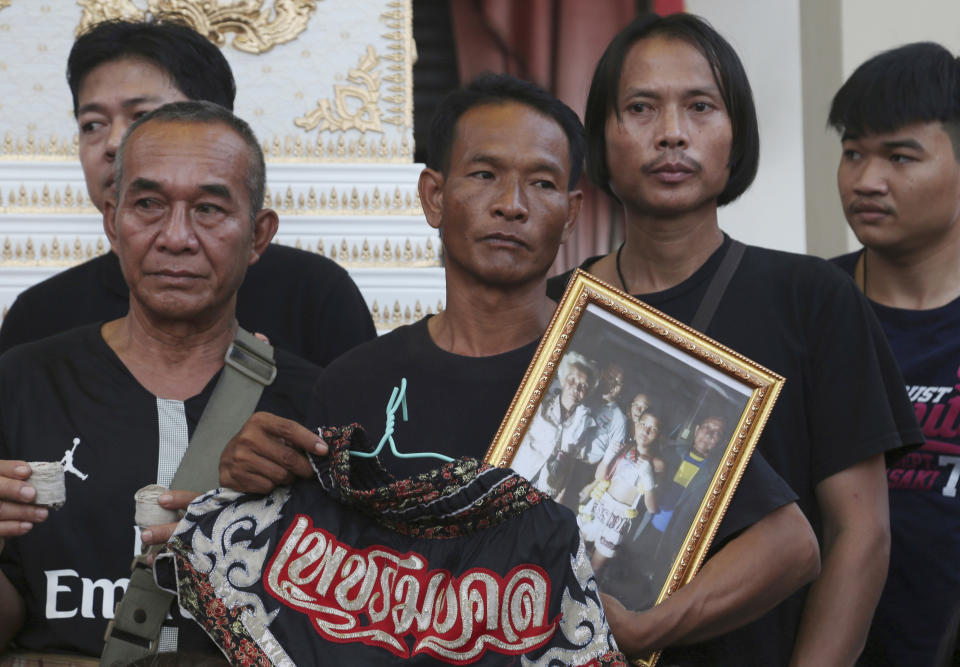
x: 67, y: 461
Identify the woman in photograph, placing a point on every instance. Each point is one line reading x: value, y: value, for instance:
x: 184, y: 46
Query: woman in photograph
x: 626, y: 476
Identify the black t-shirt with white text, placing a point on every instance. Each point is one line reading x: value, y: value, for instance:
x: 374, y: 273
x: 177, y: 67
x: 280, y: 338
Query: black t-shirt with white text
x: 922, y: 593
x: 70, y: 393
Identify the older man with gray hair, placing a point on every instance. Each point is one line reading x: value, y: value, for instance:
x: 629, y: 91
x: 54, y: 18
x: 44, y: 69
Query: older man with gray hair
x: 186, y: 222
x: 558, y: 427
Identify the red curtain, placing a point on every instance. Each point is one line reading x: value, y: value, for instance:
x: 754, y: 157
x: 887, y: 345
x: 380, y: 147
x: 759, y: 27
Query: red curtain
x: 556, y: 44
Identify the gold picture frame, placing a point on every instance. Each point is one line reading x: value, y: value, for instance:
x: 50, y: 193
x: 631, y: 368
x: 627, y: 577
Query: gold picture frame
x: 658, y: 495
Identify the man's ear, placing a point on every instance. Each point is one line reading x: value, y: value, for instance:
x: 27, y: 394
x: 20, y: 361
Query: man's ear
x: 110, y: 222
x: 265, y: 224
x: 430, y: 187
x: 574, y: 202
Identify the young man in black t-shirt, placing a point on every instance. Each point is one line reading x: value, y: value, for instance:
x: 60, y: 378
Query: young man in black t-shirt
x: 504, y: 159
x: 672, y: 134
x: 119, y: 400
x: 899, y: 178
x: 118, y: 71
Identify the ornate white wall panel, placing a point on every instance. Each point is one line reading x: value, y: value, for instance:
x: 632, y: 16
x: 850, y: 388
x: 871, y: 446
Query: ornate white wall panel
x: 327, y: 86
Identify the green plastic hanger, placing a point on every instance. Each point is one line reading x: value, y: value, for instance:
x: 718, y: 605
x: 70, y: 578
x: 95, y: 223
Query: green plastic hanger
x: 398, y: 399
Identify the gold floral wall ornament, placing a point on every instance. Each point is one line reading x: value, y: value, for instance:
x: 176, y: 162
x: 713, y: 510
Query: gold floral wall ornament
x: 381, y: 89
x: 95, y: 11
x: 402, y: 54
x: 4, y: 3
x: 354, y: 107
x: 258, y: 28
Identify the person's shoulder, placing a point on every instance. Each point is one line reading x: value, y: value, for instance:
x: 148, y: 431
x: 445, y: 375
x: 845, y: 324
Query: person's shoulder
x: 88, y: 292
x: 295, y: 371
x: 294, y: 362
x: 296, y: 263
x: 557, y: 284
x: 393, y: 346
x: 848, y: 262
x: 76, y: 279
x: 49, y: 351
x: 807, y: 272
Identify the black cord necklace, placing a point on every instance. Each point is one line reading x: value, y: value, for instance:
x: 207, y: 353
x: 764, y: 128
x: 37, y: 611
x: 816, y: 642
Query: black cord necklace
x: 623, y: 283
x: 865, y: 274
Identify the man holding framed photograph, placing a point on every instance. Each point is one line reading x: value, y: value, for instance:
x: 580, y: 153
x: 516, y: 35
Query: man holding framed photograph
x: 500, y: 187
x: 672, y: 134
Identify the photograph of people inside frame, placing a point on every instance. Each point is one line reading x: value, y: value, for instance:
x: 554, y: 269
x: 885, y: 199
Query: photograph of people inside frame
x: 629, y: 436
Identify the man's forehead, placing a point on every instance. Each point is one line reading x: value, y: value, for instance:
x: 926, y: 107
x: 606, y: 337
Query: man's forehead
x: 481, y: 132
x: 923, y: 132
x: 186, y: 131
x: 662, y: 58
x: 150, y: 148
x: 128, y: 78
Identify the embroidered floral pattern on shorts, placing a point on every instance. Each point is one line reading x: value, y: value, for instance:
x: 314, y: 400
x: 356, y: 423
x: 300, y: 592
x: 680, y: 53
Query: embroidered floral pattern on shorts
x: 223, y: 625
x: 433, y: 504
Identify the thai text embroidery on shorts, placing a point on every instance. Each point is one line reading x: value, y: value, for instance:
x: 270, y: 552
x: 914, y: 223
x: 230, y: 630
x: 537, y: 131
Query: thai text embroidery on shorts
x: 67, y: 461
x: 378, y: 596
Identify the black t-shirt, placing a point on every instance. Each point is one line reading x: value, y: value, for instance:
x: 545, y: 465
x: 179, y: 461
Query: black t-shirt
x: 457, y: 403
x: 70, y: 392
x: 843, y: 400
x: 457, y: 400
x: 303, y: 302
x: 922, y: 593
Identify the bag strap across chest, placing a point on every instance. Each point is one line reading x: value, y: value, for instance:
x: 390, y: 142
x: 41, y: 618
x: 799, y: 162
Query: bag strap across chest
x: 248, y: 367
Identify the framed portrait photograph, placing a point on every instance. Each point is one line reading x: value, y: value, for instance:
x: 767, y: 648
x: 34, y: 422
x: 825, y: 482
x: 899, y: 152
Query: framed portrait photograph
x: 642, y: 427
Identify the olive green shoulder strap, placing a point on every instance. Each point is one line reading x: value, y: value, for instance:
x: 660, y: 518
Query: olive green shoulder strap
x: 248, y: 368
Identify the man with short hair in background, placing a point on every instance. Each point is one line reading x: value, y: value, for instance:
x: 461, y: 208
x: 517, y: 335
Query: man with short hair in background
x: 118, y: 71
x: 899, y: 180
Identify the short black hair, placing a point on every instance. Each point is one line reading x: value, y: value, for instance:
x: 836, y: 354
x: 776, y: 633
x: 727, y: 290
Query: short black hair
x: 728, y: 73
x: 914, y: 83
x: 195, y: 65
x: 202, y: 111
x: 490, y: 88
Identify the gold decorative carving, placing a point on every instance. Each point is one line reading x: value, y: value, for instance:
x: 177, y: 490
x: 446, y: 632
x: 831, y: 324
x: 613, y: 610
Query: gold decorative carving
x: 374, y: 254
x: 38, y: 148
x: 286, y: 149
x: 364, y: 96
x: 25, y: 253
x: 343, y: 202
x: 257, y: 28
x: 61, y: 199
x: 402, y: 54
x: 47, y: 200
x: 295, y: 149
x: 58, y: 252
x: 4, y: 3
x: 391, y: 318
x: 365, y: 103
x: 95, y: 11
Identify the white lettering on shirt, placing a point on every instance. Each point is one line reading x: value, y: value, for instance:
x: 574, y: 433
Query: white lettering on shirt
x: 922, y: 394
x: 950, y: 488
x: 66, y: 581
x: 53, y: 588
x: 108, y: 590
